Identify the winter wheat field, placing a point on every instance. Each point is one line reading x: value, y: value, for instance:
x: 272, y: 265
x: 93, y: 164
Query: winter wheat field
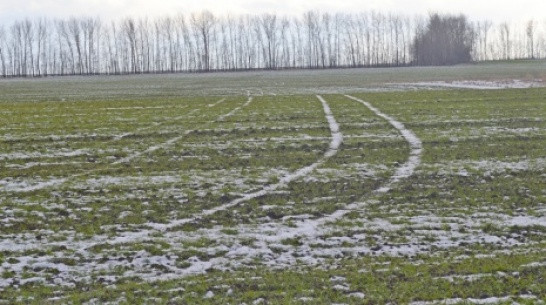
x: 400, y: 186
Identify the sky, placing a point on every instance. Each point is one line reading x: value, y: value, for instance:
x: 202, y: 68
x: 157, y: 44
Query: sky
x: 497, y: 10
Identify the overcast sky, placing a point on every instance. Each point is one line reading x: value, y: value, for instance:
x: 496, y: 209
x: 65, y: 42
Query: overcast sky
x: 496, y: 10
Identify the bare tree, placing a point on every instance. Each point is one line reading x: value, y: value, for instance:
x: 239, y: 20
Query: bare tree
x: 482, y: 32
x: 74, y: 31
x: 505, y: 40
x: 203, y: 42
x: 129, y: 29
x: 530, y: 31
x: 268, y: 23
x: 203, y: 24
x: 28, y: 50
x: 3, y: 43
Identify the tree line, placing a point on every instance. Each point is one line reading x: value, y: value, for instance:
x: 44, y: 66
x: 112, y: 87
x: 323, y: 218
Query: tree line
x: 205, y: 42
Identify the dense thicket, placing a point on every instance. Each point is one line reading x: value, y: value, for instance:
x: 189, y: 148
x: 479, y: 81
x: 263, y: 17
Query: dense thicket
x: 203, y: 42
x: 446, y: 40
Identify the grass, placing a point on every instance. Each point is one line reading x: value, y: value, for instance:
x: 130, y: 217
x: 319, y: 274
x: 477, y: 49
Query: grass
x: 381, y: 280
x: 91, y: 191
x: 170, y: 87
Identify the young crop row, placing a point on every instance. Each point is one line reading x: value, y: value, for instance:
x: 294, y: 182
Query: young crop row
x: 328, y: 198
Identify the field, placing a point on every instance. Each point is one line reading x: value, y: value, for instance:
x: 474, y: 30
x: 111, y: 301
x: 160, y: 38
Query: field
x: 354, y: 186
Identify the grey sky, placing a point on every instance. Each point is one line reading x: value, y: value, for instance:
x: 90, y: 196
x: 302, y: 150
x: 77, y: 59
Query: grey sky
x: 498, y: 10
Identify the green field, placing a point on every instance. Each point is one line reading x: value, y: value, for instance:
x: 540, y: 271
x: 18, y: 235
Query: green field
x: 274, y: 188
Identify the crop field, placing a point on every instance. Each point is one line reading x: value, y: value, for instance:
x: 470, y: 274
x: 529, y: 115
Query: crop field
x: 412, y: 192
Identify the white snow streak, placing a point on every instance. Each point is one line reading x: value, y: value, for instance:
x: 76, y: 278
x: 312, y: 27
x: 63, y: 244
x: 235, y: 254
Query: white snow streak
x: 152, y: 148
x: 167, y: 143
x: 232, y: 112
x: 310, y: 227
x: 415, y: 143
x: 490, y: 300
x: 476, y: 85
x: 217, y: 103
x: 28, y: 186
x: 337, y: 139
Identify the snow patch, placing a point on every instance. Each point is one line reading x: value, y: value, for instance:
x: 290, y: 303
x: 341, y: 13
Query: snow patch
x: 477, y: 85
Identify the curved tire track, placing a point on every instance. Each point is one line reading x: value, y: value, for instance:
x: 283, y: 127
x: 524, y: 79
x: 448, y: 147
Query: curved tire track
x: 416, y: 145
x: 336, y: 140
x: 310, y: 228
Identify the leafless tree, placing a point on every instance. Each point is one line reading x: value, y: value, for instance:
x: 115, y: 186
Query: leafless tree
x: 204, y: 42
x: 203, y: 24
x: 3, y: 43
x: 268, y: 23
x: 505, y: 40
x: 129, y: 29
x: 530, y: 31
